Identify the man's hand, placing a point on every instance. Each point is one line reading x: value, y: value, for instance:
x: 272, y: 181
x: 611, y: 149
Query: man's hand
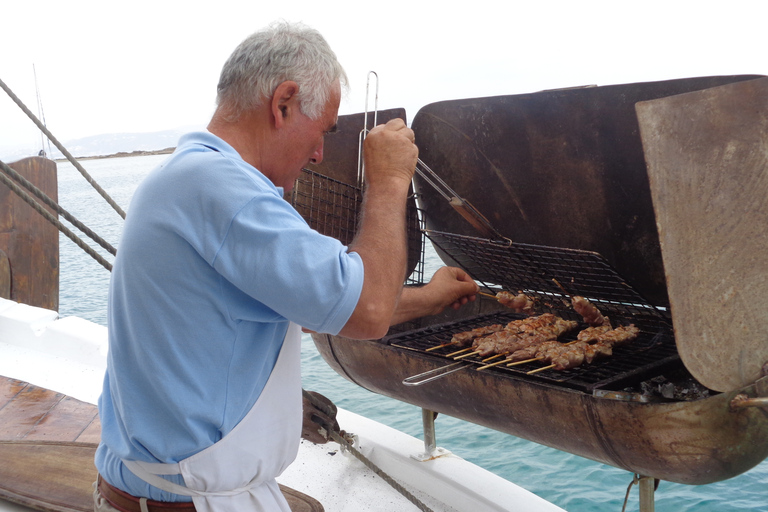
x: 390, y: 152
x: 449, y: 287
x: 319, y: 418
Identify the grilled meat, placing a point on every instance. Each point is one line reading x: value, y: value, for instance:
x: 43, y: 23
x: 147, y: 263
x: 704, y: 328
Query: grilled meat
x: 619, y: 335
x: 591, y: 334
x: 524, y: 333
x: 466, y: 338
x: 588, y: 311
x: 521, y: 303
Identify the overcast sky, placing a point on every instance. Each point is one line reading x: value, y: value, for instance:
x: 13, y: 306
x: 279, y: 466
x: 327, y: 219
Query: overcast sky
x: 142, y: 66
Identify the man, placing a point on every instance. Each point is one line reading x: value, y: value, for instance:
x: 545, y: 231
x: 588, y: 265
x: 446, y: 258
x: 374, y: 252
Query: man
x: 216, y: 271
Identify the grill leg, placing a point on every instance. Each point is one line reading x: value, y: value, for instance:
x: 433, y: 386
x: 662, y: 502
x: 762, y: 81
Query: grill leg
x: 647, y: 488
x: 431, y: 451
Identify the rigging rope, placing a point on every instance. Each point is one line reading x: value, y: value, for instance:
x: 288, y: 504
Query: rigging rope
x: 63, y: 150
x: 53, y: 220
x: 53, y: 204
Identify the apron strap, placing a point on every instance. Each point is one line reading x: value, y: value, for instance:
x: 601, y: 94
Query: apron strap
x: 150, y: 473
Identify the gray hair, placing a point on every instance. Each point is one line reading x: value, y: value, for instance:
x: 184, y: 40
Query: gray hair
x: 283, y: 51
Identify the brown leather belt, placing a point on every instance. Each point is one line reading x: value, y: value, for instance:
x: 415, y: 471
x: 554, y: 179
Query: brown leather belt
x: 125, y: 502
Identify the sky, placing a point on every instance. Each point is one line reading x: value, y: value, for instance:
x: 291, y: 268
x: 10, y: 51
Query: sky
x: 144, y: 66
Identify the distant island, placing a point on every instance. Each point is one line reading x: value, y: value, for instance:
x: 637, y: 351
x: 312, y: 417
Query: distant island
x: 122, y: 154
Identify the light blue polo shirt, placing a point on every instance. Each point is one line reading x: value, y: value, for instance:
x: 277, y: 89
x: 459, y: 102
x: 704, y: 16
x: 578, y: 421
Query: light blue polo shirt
x: 212, y: 265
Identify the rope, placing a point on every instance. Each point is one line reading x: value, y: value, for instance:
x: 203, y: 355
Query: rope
x: 61, y: 211
x: 635, y: 480
x: 63, y: 150
x: 53, y: 220
x: 339, y: 438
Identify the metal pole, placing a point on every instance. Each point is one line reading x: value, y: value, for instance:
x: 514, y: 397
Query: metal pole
x: 428, y: 422
x: 647, y: 487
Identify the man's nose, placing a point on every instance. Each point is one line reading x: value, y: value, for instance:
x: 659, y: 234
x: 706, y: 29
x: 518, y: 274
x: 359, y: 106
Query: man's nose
x: 317, y: 156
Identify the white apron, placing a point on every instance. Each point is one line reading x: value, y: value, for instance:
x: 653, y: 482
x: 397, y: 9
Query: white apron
x: 237, y: 474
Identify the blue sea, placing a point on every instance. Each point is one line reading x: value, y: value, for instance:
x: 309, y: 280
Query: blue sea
x: 573, y: 483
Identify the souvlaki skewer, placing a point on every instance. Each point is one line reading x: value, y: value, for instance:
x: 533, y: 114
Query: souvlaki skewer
x: 520, y: 303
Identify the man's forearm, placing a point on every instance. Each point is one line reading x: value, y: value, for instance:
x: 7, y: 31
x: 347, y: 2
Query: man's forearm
x: 381, y: 243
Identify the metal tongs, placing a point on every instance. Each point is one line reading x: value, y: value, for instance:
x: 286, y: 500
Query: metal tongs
x: 461, y: 205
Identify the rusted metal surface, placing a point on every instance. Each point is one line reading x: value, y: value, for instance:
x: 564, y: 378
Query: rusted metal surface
x: 30, y: 242
x: 692, y: 442
x: 561, y: 168
x: 707, y: 155
x: 564, y: 169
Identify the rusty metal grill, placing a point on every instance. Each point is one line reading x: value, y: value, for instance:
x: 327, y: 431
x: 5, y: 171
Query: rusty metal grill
x: 548, y: 275
x: 646, y: 356
x: 551, y: 276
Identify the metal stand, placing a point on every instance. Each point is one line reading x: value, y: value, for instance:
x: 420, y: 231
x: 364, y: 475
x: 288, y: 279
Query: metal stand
x: 647, y: 488
x: 431, y: 451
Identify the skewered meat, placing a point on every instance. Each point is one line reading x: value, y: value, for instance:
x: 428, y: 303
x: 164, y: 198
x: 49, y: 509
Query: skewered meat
x: 588, y: 311
x: 521, y: 303
x: 498, y: 343
x: 595, y: 350
x: 527, y: 332
x: 566, y: 356
x: 532, y: 323
x: 573, y: 354
x: 466, y: 338
x: 591, y: 334
x: 523, y: 354
x: 619, y: 335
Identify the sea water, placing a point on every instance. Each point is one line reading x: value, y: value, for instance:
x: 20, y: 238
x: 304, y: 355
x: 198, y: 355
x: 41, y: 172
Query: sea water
x: 573, y: 483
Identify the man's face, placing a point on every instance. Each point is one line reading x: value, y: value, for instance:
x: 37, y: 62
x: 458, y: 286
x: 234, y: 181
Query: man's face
x: 305, y: 139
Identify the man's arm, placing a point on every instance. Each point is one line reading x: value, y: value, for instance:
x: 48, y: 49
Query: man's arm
x: 390, y: 161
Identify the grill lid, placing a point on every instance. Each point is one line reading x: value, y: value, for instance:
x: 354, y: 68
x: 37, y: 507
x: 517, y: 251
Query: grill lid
x: 707, y: 158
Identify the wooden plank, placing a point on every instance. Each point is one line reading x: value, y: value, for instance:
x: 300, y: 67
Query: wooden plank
x: 34, y: 413
x: 26, y: 409
x: 707, y: 158
x: 91, y: 433
x: 9, y: 388
x: 54, y: 477
x: 66, y: 421
x: 5, y: 276
x: 30, y: 241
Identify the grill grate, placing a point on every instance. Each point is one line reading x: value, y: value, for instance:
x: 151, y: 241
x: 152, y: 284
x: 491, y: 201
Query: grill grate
x: 546, y: 274
x: 653, y: 350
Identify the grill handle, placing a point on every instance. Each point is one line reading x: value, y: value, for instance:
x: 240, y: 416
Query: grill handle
x: 741, y: 400
x: 434, y: 374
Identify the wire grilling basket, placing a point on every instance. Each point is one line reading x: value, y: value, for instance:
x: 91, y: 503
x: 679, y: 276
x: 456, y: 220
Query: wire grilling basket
x: 332, y: 208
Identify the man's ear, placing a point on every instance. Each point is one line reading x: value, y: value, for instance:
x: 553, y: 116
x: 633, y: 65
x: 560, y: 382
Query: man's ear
x: 284, y: 102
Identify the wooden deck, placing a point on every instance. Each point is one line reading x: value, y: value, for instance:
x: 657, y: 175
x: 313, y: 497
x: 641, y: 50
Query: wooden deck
x: 32, y: 413
x: 47, y: 444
